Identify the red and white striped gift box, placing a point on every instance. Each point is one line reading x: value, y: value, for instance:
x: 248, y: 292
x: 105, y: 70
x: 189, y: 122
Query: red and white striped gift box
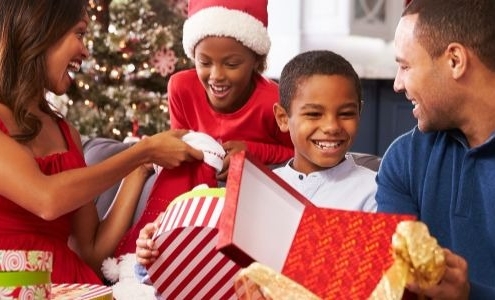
x: 75, y: 291
x: 189, y: 265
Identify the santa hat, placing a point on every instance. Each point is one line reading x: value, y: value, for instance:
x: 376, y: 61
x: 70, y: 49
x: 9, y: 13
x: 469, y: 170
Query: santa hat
x: 244, y: 20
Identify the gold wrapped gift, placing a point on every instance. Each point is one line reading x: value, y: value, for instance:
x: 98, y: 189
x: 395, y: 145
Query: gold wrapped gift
x: 417, y: 258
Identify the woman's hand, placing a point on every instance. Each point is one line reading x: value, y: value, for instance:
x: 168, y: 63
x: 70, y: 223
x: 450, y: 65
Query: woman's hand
x: 169, y: 150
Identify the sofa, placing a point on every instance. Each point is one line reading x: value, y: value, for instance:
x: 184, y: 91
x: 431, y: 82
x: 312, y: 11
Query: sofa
x: 98, y: 149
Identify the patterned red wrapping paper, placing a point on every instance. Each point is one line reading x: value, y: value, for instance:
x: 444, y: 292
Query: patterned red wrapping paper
x: 76, y: 291
x: 189, y: 265
x: 341, y: 254
x: 336, y: 254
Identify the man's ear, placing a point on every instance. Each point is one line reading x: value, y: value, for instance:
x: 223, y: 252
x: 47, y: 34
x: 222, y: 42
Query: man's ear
x: 282, y: 117
x: 457, y: 56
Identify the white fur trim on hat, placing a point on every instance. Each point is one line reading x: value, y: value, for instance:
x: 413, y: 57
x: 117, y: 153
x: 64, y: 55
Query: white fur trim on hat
x: 220, y: 21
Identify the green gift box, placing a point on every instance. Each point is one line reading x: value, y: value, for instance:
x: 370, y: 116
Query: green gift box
x: 25, y: 274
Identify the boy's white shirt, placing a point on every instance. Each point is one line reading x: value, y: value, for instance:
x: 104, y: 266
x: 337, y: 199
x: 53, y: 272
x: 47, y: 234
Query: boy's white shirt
x: 346, y: 186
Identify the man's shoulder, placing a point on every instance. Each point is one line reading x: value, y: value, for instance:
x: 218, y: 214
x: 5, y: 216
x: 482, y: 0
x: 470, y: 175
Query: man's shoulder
x: 415, y: 148
x: 415, y: 138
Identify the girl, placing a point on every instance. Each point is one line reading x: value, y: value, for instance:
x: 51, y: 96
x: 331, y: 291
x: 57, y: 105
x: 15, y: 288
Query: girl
x: 225, y: 96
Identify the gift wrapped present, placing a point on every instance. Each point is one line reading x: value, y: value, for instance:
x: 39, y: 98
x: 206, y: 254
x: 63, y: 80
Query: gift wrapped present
x: 335, y: 254
x: 189, y: 265
x: 417, y: 256
x: 259, y: 282
x: 25, y: 274
x: 75, y: 291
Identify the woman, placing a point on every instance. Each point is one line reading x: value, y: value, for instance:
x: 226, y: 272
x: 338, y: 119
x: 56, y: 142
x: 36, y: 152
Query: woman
x: 46, y: 190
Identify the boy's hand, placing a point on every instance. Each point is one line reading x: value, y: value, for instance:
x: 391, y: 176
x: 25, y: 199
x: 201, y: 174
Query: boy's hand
x: 146, y: 253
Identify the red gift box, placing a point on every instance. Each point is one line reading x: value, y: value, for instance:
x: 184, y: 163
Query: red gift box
x: 336, y: 254
x: 189, y: 265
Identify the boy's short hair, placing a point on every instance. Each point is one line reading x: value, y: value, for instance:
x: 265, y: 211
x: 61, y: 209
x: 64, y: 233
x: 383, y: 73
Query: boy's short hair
x: 307, y: 64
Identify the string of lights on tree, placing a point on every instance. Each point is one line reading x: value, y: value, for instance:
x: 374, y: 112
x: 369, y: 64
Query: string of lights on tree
x: 134, y: 45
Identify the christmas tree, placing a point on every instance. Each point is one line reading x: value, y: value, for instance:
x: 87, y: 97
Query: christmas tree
x: 134, y: 45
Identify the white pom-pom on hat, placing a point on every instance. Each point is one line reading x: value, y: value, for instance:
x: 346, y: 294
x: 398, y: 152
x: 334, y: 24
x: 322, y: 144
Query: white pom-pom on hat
x: 243, y: 20
x: 110, y: 269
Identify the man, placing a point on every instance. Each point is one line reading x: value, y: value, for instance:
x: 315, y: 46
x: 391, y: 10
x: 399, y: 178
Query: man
x: 443, y: 171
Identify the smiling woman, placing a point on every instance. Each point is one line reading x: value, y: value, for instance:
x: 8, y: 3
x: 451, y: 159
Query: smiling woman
x: 66, y: 55
x: 47, y: 190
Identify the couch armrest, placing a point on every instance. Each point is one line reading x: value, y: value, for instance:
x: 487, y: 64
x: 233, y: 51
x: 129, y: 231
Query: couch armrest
x: 98, y: 149
x: 369, y: 161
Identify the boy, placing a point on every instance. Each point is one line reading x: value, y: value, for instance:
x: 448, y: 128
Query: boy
x: 320, y: 106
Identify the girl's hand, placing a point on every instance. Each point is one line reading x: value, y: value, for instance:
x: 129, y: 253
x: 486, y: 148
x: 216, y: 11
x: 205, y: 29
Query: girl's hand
x: 231, y: 148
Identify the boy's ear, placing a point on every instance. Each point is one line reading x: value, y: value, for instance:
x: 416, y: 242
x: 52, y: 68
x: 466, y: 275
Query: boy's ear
x: 282, y: 117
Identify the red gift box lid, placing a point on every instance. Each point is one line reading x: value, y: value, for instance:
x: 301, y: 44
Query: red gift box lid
x: 256, y: 200
x: 336, y: 254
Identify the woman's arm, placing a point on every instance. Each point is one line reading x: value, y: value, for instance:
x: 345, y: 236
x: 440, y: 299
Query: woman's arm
x: 95, y: 240
x: 50, y: 196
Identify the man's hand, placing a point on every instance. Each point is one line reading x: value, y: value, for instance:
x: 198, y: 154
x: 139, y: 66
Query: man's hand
x: 454, y: 283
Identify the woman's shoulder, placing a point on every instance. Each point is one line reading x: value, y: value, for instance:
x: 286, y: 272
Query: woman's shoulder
x: 71, y: 134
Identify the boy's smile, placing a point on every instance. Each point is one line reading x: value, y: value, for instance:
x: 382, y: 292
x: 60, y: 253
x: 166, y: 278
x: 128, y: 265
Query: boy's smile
x: 323, y: 121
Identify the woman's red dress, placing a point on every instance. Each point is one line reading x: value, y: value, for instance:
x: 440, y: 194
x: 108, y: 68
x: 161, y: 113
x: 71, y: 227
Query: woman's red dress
x: 22, y: 230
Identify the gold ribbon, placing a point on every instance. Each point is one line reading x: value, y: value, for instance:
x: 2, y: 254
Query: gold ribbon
x: 417, y: 258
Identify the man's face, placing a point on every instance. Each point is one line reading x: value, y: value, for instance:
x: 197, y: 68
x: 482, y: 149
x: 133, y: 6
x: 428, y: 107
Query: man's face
x: 422, y: 79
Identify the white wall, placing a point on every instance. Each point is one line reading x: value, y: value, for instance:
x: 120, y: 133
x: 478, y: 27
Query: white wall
x: 284, y: 28
x: 301, y: 25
